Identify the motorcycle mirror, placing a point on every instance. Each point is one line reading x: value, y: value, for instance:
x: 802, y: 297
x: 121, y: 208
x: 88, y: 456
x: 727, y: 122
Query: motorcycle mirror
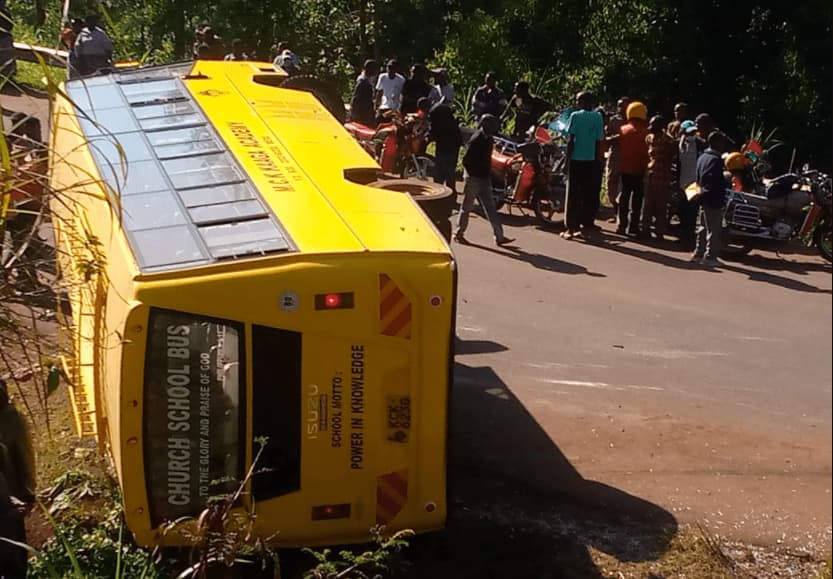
x: 805, y: 168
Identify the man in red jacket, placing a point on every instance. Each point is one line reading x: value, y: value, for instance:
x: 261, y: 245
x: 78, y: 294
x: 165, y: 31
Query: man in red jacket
x: 633, y: 162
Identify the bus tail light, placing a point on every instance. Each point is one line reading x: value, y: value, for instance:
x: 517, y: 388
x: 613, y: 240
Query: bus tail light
x: 335, y: 301
x: 331, y: 512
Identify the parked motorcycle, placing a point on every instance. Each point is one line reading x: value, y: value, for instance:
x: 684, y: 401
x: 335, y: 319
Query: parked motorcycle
x: 398, y: 144
x: 530, y: 175
x: 792, y: 206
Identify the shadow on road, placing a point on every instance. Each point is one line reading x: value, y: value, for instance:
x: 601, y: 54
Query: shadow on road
x: 518, y: 507
x: 539, y: 261
x: 468, y: 347
x: 757, y: 263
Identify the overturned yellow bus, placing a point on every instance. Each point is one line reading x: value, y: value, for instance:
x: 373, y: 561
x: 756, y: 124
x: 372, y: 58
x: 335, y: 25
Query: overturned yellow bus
x: 232, y: 277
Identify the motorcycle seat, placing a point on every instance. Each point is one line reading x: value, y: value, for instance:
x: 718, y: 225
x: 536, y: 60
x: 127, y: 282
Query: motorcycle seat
x: 360, y: 131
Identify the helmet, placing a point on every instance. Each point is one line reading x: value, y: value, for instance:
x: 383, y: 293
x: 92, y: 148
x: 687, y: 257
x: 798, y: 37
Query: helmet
x: 637, y: 110
x: 735, y: 162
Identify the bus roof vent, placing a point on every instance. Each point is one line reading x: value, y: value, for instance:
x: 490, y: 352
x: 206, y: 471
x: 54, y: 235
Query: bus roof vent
x: 185, y: 199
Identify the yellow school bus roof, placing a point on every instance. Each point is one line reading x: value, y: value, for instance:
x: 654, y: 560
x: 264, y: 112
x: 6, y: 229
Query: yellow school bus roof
x: 224, y: 165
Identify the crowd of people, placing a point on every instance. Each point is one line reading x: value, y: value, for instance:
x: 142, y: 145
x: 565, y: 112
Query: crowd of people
x: 641, y: 160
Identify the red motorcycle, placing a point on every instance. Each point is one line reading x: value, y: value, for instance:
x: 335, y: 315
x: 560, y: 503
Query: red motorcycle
x: 398, y: 144
x: 530, y: 175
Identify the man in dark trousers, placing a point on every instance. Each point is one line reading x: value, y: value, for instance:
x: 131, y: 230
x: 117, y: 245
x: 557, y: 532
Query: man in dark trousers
x: 445, y: 132
x: 712, y: 201
x: 362, y: 103
x: 585, y: 131
x: 477, y: 162
x: 17, y: 486
x: 633, y: 163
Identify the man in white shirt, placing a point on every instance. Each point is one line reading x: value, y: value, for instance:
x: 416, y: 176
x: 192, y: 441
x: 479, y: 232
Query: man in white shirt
x: 389, y: 89
x: 443, y: 91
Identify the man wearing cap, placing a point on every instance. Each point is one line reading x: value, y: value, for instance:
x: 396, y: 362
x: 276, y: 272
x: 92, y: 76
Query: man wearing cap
x: 362, y: 108
x: 634, y: 162
x: 389, y: 89
x: 477, y: 162
x: 17, y: 485
x: 585, y: 131
x: 691, y: 147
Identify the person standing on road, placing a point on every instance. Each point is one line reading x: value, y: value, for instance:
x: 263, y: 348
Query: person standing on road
x: 415, y: 88
x: 389, y: 89
x: 362, y: 108
x: 477, y: 162
x: 690, y: 149
x: 585, y: 141
x: 529, y: 109
x: 489, y: 99
x: 236, y: 53
x: 443, y: 90
x: 662, y: 155
x: 680, y: 116
x: 613, y: 173
x: 633, y: 147
x: 445, y: 132
x: 712, y: 201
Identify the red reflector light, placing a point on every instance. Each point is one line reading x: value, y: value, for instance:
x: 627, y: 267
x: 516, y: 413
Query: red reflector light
x: 335, y: 301
x: 331, y: 512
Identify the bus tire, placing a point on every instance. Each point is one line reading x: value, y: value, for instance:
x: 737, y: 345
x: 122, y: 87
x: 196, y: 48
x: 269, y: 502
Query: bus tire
x: 326, y: 93
x: 435, y: 199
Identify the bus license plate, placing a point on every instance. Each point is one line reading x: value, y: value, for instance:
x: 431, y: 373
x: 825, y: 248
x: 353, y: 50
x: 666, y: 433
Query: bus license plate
x: 399, y: 419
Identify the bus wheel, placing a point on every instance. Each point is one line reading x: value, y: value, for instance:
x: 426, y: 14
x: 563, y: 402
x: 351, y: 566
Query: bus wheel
x: 435, y: 199
x: 326, y: 93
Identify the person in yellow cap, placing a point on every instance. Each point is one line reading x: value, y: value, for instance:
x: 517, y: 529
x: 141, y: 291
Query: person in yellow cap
x: 633, y: 162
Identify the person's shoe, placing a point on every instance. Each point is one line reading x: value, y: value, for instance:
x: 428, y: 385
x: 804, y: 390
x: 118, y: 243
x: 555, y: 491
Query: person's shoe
x: 505, y: 241
x: 712, y: 262
x: 458, y: 237
x: 569, y: 234
x: 612, y: 220
x: 696, y: 259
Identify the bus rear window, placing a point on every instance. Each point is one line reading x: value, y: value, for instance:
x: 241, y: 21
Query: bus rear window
x: 193, y: 425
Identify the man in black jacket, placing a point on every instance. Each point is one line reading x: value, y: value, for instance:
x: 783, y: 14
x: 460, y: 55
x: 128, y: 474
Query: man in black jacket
x: 362, y: 105
x: 712, y: 201
x: 477, y: 162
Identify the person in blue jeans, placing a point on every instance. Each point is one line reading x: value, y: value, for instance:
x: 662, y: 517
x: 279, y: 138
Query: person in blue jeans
x: 712, y: 201
x: 477, y: 162
x: 585, y: 135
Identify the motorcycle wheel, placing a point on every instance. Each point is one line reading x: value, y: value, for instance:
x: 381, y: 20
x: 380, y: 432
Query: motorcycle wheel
x: 421, y: 167
x: 547, y: 205
x: 823, y: 238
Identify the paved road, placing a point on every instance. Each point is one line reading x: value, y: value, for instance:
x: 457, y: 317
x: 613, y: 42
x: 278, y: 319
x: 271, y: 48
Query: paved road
x: 705, y: 393
x: 616, y: 373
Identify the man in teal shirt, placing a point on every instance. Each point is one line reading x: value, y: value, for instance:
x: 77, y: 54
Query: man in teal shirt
x: 585, y: 135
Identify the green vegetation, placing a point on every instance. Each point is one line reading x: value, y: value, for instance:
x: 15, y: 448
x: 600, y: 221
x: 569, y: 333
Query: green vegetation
x: 746, y: 63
